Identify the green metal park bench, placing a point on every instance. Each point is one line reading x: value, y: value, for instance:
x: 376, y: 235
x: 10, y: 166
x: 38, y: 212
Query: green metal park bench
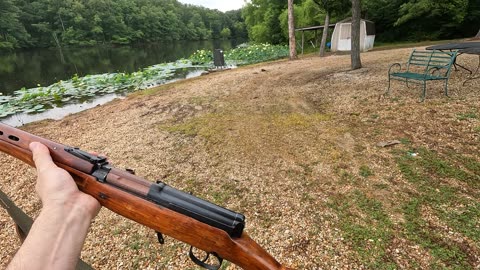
x: 423, y: 66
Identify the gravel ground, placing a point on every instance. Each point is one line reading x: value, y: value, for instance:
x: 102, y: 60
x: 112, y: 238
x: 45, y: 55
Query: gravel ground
x: 268, y: 141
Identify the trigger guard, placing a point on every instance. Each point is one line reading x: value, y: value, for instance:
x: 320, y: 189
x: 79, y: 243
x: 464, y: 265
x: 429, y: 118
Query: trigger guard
x: 202, y: 263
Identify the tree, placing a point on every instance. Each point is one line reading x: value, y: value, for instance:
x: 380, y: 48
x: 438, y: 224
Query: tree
x: 262, y: 20
x: 329, y: 6
x: 433, y: 19
x: 356, y: 11
x: 12, y: 32
x: 44, y: 23
x: 225, y: 33
x: 291, y: 31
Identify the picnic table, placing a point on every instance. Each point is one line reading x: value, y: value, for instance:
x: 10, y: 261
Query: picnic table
x: 462, y: 48
x: 454, y: 46
x: 476, y: 51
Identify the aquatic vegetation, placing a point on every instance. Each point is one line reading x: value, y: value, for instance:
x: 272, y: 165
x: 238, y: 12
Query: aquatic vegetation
x: 250, y: 54
x: 201, y: 57
x: 79, y: 89
x: 244, y: 54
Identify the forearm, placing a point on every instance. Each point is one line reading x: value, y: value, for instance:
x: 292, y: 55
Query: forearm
x: 55, y: 239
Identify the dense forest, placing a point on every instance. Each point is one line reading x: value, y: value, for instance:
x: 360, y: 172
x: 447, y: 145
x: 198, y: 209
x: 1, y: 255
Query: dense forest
x: 45, y: 23
x: 395, y: 20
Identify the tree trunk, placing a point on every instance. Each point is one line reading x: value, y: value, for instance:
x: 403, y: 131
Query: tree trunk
x: 356, y: 9
x: 61, y: 21
x: 478, y: 34
x: 324, y: 35
x: 291, y: 31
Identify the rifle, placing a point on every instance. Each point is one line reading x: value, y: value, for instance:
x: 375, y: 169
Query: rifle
x: 199, y: 223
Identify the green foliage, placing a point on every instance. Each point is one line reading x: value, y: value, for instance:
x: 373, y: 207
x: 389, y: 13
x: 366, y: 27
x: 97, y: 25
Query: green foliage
x: 226, y: 33
x: 77, y: 89
x: 12, y: 32
x: 395, y: 20
x: 413, y: 20
x: 201, y: 57
x: 262, y: 20
x: 412, y: 10
x: 244, y: 54
x: 39, y: 23
x: 256, y: 53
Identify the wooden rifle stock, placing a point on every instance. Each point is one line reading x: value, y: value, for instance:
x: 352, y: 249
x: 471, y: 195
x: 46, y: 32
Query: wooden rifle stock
x: 131, y: 197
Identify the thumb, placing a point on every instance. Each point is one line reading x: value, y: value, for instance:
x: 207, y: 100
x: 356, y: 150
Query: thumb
x: 41, y: 156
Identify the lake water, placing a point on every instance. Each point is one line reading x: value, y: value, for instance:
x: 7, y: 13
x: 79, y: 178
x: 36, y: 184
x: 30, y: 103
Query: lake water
x: 28, y: 68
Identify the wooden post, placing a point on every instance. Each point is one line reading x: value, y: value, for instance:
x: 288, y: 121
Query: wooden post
x: 303, y: 39
x: 324, y: 35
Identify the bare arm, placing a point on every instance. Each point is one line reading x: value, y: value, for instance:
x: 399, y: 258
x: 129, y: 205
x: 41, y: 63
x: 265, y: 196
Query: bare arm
x: 57, y: 235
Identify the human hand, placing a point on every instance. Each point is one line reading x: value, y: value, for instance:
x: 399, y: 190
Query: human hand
x: 56, y: 187
x: 56, y: 237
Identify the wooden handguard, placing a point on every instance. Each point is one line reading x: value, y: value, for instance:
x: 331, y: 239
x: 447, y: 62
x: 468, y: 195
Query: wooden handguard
x: 129, y: 196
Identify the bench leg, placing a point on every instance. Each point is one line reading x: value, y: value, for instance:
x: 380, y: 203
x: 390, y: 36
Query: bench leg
x: 388, y: 89
x: 424, y: 92
x: 446, y: 88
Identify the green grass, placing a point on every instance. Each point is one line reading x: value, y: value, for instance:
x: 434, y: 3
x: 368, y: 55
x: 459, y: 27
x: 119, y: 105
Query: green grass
x: 456, y: 207
x: 366, y: 225
x: 442, y: 203
x: 214, y: 127
x: 365, y: 171
x: 467, y: 115
x: 418, y: 230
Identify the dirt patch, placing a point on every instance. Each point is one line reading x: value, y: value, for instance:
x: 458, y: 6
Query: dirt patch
x: 278, y: 142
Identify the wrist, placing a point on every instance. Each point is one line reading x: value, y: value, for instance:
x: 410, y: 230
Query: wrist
x: 60, y: 231
x: 83, y: 206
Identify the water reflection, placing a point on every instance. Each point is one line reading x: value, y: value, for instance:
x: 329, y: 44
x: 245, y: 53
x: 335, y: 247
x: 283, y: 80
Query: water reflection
x: 27, y: 68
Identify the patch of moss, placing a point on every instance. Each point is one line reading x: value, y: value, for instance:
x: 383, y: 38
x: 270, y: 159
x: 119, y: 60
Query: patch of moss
x: 216, y: 126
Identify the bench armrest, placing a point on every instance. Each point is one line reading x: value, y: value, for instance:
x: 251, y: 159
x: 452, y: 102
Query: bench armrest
x: 395, y: 65
x: 436, y: 71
